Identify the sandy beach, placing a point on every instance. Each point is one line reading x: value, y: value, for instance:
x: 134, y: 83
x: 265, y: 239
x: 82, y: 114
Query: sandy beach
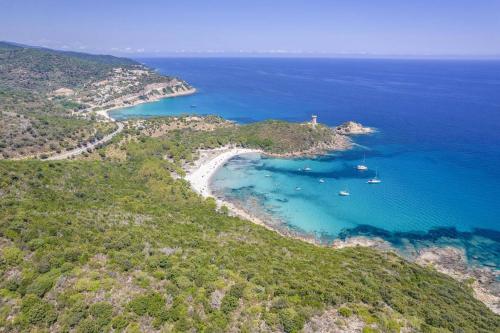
x: 205, y: 167
x: 208, y: 163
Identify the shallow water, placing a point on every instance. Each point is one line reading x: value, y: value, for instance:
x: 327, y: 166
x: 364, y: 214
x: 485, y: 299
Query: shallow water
x: 437, y: 150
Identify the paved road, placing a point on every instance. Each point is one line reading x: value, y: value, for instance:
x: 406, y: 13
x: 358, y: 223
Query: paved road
x: 80, y: 150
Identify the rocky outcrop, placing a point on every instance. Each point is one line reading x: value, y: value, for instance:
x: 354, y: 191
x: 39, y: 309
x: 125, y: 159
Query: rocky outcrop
x: 452, y: 261
x: 353, y: 128
x: 331, y: 321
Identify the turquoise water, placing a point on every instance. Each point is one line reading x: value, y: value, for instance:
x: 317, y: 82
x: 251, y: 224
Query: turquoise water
x: 437, y: 150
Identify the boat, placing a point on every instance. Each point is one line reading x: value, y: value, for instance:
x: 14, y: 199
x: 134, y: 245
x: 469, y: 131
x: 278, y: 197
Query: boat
x: 374, y: 180
x: 321, y: 180
x: 344, y: 193
x: 193, y: 106
x: 298, y: 188
x: 362, y: 167
x: 307, y: 169
x: 267, y: 175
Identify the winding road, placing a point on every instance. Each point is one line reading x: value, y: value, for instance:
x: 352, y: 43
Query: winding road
x: 78, y: 151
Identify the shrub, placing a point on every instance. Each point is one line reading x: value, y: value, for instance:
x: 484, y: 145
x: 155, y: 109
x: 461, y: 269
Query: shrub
x: 88, y: 326
x: 102, y: 313
x: 119, y: 323
x: 152, y: 304
x: 290, y: 320
x: 345, y: 312
x: 231, y: 299
x: 36, y: 311
x: 12, y: 255
x: 75, y: 314
x: 40, y: 286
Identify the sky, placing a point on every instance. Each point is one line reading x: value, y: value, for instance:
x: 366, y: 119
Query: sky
x: 469, y: 28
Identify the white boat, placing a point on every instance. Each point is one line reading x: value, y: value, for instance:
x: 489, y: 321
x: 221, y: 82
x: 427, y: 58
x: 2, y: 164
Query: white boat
x: 307, y: 169
x: 267, y: 175
x: 374, y: 180
x: 344, y: 193
x: 321, y: 180
x: 298, y: 188
x: 362, y: 167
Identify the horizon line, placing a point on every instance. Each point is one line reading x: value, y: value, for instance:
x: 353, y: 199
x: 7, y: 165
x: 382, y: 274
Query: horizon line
x: 265, y: 54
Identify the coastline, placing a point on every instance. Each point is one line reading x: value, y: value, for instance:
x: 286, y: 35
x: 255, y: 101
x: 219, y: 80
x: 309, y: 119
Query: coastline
x: 105, y: 112
x: 449, y: 260
x: 206, y: 166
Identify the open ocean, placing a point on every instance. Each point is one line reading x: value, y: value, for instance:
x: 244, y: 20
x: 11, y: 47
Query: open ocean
x: 437, y: 150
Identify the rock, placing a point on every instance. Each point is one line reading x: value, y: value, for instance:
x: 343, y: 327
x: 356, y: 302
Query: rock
x: 331, y: 321
x: 452, y: 261
x: 216, y: 298
x: 352, y: 128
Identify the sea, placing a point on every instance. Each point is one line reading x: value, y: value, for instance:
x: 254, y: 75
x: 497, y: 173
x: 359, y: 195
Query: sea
x: 436, y: 149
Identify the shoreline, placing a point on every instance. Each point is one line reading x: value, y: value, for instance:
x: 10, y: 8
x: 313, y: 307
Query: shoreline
x: 105, y: 112
x: 206, y: 166
x: 450, y: 261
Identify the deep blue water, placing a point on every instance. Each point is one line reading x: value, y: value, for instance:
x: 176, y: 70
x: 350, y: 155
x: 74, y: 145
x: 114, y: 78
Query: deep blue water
x: 437, y: 149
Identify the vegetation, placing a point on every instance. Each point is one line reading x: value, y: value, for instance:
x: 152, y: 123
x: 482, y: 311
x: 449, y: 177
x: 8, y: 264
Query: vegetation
x: 44, y: 70
x: 45, y: 96
x: 31, y: 126
x: 119, y: 244
x: 185, y: 135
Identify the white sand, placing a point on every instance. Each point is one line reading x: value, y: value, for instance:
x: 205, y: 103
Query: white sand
x: 200, y: 176
x: 207, y: 165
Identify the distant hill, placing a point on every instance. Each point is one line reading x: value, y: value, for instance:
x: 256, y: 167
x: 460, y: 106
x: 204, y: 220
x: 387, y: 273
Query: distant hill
x: 42, y: 70
x: 48, y: 98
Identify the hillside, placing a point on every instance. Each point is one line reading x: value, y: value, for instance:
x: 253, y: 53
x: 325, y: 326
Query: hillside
x: 49, y: 98
x: 43, y: 70
x: 117, y: 243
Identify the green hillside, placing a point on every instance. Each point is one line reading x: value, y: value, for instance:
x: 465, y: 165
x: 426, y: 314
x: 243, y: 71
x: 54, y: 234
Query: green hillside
x: 44, y: 70
x: 120, y: 245
x: 35, y: 120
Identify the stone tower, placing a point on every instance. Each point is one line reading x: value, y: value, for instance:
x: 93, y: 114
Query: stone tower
x: 314, y: 120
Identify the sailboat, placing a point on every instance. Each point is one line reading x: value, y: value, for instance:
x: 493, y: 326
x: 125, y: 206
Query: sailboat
x: 374, y: 180
x: 362, y: 167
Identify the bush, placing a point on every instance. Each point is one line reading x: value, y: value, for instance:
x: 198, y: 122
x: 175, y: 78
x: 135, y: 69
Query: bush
x: 88, y: 326
x: 119, y: 323
x: 75, y: 314
x: 40, y: 286
x: 102, y: 313
x: 36, y: 311
x: 152, y: 304
x: 345, y: 312
x: 290, y: 320
x: 12, y: 255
